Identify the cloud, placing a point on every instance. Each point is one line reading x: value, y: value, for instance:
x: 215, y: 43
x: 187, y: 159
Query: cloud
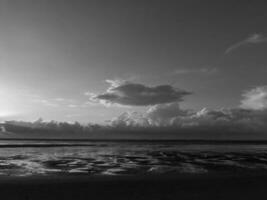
x: 73, y: 106
x: 255, y: 99
x: 135, y: 94
x: 253, y: 39
x: 164, y: 114
x: 212, y: 121
x: 45, y: 102
x: 170, y: 121
x: 247, y: 119
x: 130, y: 119
x: 183, y: 71
x: 61, y: 103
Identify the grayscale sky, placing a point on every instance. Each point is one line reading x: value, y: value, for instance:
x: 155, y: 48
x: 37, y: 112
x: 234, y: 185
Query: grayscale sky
x: 63, y: 59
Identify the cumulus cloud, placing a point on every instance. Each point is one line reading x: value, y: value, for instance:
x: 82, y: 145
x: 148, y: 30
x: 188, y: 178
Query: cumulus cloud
x: 164, y: 114
x: 253, y: 39
x: 136, y: 94
x: 255, y: 99
x: 130, y: 119
x: 250, y: 117
x: 227, y: 120
x: 168, y: 120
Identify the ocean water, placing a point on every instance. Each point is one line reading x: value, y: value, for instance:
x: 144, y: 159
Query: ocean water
x: 111, y: 158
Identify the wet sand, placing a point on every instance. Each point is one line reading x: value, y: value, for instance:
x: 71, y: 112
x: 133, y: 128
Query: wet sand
x: 157, y: 187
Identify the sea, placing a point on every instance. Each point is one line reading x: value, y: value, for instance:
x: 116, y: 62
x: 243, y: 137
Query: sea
x: 129, y: 158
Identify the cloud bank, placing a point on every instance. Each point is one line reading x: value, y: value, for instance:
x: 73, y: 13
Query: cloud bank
x: 163, y: 109
x: 250, y: 117
x: 164, y: 116
x: 168, y: 120
x: 136, y: 94
x: 253, y: 39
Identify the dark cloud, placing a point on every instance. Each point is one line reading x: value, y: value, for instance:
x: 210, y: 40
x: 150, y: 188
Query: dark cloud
x: 135, y: 94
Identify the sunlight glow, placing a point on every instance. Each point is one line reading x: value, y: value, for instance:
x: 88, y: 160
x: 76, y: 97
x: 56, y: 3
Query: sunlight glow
x: 5, y: 113
x: 7, y: 104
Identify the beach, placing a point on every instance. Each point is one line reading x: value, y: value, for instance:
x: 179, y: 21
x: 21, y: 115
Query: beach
x: 33, y: 170
x: 186, y: 186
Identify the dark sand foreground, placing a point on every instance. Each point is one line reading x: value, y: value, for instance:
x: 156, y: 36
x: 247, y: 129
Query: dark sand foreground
x: 223, y: 186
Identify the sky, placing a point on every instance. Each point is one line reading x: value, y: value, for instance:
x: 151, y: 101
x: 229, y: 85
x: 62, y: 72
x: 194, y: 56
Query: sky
x: 94, y: 60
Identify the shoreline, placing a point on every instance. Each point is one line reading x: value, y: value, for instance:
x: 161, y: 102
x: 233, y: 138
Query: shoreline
x: 182, y: 141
